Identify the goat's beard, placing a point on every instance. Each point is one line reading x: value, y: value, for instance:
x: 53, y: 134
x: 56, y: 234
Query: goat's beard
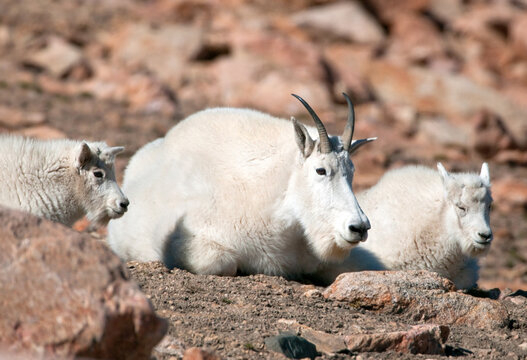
x: 472, y: 249
x: 103, y: 217
x: 327, y: 249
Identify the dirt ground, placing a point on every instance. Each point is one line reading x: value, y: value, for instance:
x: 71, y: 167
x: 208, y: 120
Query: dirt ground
x: 233, y: 316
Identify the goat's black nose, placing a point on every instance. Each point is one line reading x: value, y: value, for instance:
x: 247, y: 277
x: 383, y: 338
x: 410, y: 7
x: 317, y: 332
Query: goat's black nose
x: 487, y: 236
x: 358, y: 229
x: 124, y: 204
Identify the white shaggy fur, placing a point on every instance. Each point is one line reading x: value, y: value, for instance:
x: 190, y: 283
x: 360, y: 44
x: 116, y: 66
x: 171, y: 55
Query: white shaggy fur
x: 425, y: 219
x: 229, y: 191
x: 61, y: 180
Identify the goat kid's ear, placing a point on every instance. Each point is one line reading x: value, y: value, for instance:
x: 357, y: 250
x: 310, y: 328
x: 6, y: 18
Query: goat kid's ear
x: 303, y: 140
x: 442, y: 172
x: 113, y: 151
x: 356, y: 144
x: 485, y: 174
x: 84, y: 155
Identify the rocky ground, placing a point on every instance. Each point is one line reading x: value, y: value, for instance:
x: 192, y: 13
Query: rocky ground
x: 434, y: 80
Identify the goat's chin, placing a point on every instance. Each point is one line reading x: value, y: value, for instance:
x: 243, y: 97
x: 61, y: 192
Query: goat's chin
x: 102, y: 218
x: 332, y: 248
x: 475, y: 249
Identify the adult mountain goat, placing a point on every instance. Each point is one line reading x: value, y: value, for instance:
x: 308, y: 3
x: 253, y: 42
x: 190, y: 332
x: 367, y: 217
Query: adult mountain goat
x: 61, y: 180
x: 426, y: 219
x: 232, y: 191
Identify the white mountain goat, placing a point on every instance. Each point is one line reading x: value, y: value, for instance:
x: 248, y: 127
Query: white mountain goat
x: 426, y: 219
x: 61, y: 180
x: 232, y: 191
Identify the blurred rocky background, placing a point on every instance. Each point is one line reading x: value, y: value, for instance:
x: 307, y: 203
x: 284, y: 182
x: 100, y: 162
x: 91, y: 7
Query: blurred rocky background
x: 435, y: 80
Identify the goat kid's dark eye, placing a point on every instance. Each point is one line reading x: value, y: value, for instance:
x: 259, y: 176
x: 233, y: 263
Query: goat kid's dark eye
x: 98, y: 174
x: 321, y: 171
x: 462, y: 208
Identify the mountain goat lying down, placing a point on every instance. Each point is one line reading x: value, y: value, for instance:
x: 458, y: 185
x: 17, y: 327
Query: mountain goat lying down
x: 232, y: 191
x: 61, y: 180
x: 426, y: 219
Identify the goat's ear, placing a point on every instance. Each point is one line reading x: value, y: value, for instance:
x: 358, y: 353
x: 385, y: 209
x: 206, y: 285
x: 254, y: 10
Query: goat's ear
x: 485, y: 174
x: 83, y: 156
x: 303, y: 140
x: 442, y: 172
x: 356, y: 144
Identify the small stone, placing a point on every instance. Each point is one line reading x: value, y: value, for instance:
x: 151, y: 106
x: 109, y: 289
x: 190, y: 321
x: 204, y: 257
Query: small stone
x: 313, y: 293
x: 195, y: 353
x: 170, y: 346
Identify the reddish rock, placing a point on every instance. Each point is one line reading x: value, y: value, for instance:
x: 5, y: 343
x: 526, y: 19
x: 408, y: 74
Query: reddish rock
x: 345, y: 63
x: 42, y: 132
x: 442, y: 132
x: 65, y: 294
x: 387, y: 10
x: 489, y: 134
x: 421, y: 295
x: 345, y: 20
x: 446, y: 10
x: 453, y: 95
x: 248, y: 81
x: 142, y: 92
x: 517, y: 33
x: 195, y: 353
x: 15, y: 118
x: 164, y: 50
x: 58, y: 57
x: 414, y: 39
x: 420, y: 339
x: 328, y: 343
x: 509, y: 193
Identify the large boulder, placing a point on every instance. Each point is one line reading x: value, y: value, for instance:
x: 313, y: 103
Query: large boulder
x: 419, y: 296
x: 66, y: 294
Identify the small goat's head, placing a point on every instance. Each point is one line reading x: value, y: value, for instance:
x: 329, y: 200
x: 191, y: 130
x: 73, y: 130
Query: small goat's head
x: 102, y: 198
x: 331, y: 216
x: 469, y: 199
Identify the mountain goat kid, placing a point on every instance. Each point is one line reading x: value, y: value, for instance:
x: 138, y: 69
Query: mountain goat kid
x: 232, y: 191
x: 426, y: 219
x: 60, y: 180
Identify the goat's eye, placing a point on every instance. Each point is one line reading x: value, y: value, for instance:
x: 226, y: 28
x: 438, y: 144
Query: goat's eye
x: 321, y: 171
x: 462, y: 208
x: 98, y: 174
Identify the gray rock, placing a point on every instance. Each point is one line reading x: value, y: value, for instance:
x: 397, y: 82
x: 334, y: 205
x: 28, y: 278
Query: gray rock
x: 292, y: 346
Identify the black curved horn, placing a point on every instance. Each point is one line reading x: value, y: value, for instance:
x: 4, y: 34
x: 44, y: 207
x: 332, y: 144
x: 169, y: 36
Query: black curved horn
x: 347, y: 135
x: 325, y: 145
